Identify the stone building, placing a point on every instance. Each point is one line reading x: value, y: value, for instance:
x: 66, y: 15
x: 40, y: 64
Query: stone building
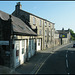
x: 64, y: 36
x: 57, y: 41
x: 17, y: 41
x: 42, y: 27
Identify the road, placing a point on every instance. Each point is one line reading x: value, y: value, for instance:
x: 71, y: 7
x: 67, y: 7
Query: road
x: 61, y: 61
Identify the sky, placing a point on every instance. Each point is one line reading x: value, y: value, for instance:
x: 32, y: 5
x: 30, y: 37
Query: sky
x: 62, y: 13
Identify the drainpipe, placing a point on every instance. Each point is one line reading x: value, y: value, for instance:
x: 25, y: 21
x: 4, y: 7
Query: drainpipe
x: 43, y: 35
x: 10, y: 43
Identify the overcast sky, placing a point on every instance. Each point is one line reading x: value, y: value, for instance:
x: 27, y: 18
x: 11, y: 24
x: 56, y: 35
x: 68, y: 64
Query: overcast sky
x: 62, y: 13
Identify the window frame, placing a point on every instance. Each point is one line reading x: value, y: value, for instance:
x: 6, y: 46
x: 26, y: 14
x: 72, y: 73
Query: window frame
x: 23, y: 46
x: 45, y: 23
x: 40, y: 22
x: 49, y: 24
x: 34, y: 20
x: 45, y: 32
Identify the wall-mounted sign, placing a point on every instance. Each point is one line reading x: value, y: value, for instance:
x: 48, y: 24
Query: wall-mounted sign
x: 4, y: 42
x: 62, y: 35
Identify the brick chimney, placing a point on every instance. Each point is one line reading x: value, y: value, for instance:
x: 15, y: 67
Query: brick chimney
x: 17, y: 8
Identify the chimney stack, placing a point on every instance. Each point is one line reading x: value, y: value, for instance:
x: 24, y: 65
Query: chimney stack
x: 17, y: 8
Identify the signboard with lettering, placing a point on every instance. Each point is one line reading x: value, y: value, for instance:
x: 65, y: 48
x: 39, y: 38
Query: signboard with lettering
x: 62, y: 35
x: 4, y: 42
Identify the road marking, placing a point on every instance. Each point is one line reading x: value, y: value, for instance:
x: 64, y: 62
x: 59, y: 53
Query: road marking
x: 36, y: 65
x: 42, y: 64
x: 67, y: 63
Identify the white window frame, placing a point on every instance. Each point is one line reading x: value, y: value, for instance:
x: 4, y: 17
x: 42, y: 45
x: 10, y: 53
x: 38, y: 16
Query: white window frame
x: 45, y: 23
x: 39, y: 42
x: 49, y: 24
x: 23, y: 45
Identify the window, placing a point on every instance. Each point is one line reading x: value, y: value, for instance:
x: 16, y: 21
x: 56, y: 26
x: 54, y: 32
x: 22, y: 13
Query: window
x: 45, y: 23
x: 34, y: 20
x: 39, y: 42
x: 33, y: 44
x: 52, y: 26
x: 29, y: 45
x: 23, y: 44
x: 40, y: 32
x: 45, y: 33
x: 17, y: 52
x: 49, y: 24
x: 40, y: 23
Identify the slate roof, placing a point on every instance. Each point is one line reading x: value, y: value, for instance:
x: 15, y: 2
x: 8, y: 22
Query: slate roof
x: 19, y: 27
x: 35, y: 16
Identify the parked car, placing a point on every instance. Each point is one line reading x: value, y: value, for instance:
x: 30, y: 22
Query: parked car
x: 73, y: 45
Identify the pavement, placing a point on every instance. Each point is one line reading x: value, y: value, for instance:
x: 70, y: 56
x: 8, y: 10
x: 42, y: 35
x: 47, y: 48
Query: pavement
x: 7, y: 70
x: 32, y: 66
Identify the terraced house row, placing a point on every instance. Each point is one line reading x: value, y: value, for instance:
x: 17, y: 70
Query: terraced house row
x: 22, y: 34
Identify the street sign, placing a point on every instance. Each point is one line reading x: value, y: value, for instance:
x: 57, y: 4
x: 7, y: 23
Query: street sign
x: 62, y: 35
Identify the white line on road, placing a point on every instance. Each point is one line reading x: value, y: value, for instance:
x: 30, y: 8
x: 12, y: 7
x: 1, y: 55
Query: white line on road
x: 42, y: 64
x: 67, y: 63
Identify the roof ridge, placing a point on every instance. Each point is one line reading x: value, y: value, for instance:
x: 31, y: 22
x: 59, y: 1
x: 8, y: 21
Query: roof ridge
x: 36, y: 15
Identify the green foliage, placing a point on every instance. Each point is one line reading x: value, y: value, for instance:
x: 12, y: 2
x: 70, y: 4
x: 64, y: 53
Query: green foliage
x: 72, y: 34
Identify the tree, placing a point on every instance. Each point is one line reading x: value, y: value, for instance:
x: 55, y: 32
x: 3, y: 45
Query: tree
x: 72, y: 34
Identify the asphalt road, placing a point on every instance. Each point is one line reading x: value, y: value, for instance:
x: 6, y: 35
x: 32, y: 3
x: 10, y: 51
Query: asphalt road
x: 61, y: 61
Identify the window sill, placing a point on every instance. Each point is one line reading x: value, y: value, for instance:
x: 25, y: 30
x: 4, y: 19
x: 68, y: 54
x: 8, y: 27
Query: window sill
x: 40, y: 26
x: 45, y: 26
